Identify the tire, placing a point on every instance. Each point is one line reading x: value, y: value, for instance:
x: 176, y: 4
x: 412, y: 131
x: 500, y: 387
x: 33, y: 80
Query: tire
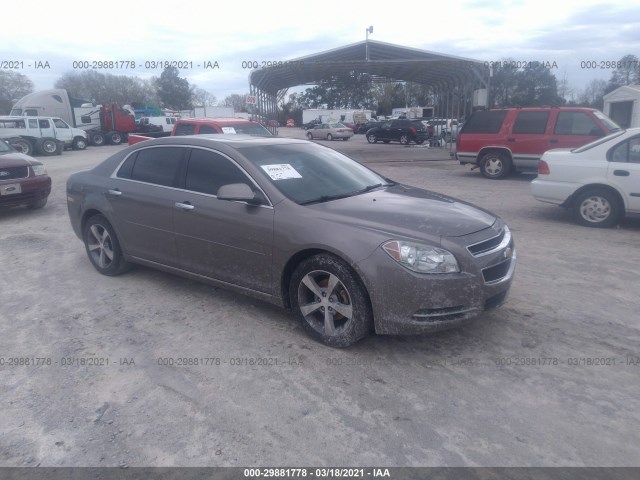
x: 371, y: 138
x: 79, y: 143
x: 48, y: 146
x: 22, y: 145
x: 345, y: 138
x: 597, y: 208
x: 39, y: 204
x: 495, y: 165
x: 348, y: 316
x: 97, y: 139
x: 329, y: 137
x: 103, y: 247
x: 419, y: 142
x: 404, y: 139
x: 309, y: 136
x: 115, y: 138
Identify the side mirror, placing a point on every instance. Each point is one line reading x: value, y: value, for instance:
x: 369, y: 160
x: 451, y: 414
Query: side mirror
x: 239, y: 192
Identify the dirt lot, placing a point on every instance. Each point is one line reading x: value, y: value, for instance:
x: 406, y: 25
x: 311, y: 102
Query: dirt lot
x: 549, y: 379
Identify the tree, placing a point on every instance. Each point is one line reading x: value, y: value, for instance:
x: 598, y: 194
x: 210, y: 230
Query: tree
x: 351, y: 90
x: 13, y: 86
x: 626, y: 73
x: 530, y: 86
x: 238, y: 102
x: 174, y: 92
x: 202, y: 98
x: 104, y: 88
x: 592, y: 95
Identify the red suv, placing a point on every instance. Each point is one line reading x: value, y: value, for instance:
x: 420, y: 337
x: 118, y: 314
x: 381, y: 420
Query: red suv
x: 513, y: 139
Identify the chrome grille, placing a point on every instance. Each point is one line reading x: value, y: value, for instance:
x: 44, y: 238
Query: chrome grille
x: 492, y: 244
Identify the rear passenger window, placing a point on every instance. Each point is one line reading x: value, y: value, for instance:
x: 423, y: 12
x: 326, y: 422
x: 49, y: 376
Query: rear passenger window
x: 44, y: 124
x: 204, y: 129
x: 208, y: 171
x: 576, y: 123
x: 485, y: 121
x: 157, y: 165
x: 531, y: 122
x: 185, y: 129
x: 626, y: 152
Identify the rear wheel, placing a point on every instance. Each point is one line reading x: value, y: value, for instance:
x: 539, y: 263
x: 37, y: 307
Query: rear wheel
x: 597, y: 208
x: 371, y: 138
x: 495, y: 165
x: 329, y: 136
x: 330, y: 301
x: 48, y: 146
x: 309, y: 136
x: 22, y: 145
x: 404, y: 139
x: 103, y: 247
x: 115, y: 138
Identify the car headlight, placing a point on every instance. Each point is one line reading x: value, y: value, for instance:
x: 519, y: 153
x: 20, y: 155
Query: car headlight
x: 421, y: 258
x: 39, y: 170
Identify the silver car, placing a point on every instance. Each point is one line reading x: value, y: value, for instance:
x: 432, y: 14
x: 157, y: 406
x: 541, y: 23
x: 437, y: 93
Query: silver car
x: 330, y: 131
x: 296, y: 224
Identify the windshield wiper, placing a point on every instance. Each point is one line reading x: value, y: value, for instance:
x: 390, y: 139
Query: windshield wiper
x: 327, y: 198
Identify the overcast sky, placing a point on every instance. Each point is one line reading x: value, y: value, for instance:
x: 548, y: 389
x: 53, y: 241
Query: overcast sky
x: 231, y: 32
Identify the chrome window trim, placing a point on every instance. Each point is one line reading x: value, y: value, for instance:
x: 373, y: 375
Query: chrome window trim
x: 115, y: 172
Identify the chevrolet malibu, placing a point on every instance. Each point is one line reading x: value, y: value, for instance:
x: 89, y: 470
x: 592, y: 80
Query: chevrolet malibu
x: 296, y: 224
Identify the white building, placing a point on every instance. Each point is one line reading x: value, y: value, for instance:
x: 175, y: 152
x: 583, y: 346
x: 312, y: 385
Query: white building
x: 623, y: 106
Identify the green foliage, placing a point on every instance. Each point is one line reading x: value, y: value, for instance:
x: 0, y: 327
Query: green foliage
x: 103, y: 88
x: 531, y: 86
x: 174, y: 92
x: 13, y: 86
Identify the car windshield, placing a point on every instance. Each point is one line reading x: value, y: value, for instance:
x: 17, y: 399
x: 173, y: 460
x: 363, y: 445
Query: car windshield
x: 310, y: 173
x: 595, y: 143
x: 611, y: 125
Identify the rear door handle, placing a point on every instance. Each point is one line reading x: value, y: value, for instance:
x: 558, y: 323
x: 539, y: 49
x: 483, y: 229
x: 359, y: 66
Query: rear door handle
x: 553, y: 140
x: 511, y: 139
x: 184, y: 206
x: 621, y: 173
x: 115, y: 192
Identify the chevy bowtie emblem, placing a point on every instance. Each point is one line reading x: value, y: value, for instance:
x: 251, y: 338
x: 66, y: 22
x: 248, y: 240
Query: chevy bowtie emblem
x: 508, y: 252
x: 4, y: 174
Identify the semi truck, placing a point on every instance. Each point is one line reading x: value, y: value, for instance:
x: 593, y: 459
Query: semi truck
x: 109, y: 123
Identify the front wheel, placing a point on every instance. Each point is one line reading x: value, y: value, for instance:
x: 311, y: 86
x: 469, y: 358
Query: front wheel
x: 495, y: 165
x: 329, y: 136
x: 103, y: 247
x: 309, y: 136
x: 330, y: 301
x: 596, y: 208
x: 371, y: 138
x: 79, y: 143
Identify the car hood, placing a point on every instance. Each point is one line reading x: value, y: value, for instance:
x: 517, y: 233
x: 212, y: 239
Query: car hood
x: 16, y: 159
x: 409, y: 211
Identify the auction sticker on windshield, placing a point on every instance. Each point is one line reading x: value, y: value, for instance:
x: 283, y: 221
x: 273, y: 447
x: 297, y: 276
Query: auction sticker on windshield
x: 228, y: 130
x: 282, y: 171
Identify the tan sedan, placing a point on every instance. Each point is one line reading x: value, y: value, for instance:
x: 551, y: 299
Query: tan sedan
x: 330, y: 131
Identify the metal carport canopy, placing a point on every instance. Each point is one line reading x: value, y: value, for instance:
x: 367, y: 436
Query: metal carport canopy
x: 386, y: 62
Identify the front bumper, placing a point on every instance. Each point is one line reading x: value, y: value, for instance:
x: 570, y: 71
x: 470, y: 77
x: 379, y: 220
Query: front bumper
x: 405, y: 302
x: 33, y: 189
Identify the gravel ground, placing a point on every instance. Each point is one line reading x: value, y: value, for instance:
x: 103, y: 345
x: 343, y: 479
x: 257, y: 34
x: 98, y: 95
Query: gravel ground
x: 549, y: 379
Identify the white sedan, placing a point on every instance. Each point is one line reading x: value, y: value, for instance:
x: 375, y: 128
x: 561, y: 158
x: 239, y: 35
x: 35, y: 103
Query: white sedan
x: 600, y: 181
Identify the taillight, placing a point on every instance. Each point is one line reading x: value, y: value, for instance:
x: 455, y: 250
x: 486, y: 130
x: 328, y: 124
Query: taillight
x: 412, y: 130
x: 543, y: 168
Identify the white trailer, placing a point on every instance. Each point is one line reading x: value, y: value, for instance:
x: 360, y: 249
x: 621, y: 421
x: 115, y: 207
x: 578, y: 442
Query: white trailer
x: 623, y: 106
x: 335, y: 115
x: 213, y: 112
x: 413, y: 112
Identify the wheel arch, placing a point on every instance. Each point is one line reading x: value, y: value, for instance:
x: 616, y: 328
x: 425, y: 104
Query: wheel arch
x: 569, y: 202
x: 301, y: 256
x: 484, y: 150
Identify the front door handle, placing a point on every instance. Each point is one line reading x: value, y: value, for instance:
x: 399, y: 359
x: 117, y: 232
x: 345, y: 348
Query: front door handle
x: 621, y: 173
x: 115, y: 192
x: 184, y: 206
x: 511, y: 139
x: 553, y: 140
